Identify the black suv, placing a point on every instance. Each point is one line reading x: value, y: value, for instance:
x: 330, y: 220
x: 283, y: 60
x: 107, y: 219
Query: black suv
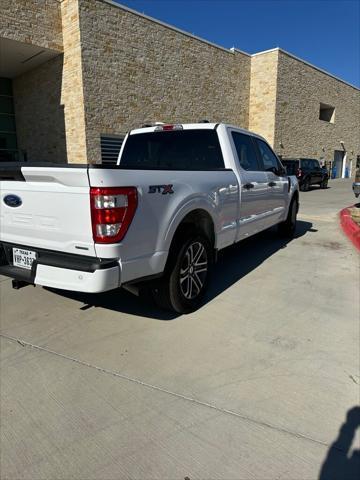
x: 307, y: 171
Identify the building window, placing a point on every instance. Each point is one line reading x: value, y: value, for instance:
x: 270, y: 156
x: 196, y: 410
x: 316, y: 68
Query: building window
x: 327, y: 113
x: 110, y: 148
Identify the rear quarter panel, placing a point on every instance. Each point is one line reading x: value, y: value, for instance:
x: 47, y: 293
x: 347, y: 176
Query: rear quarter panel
x: 158, y: 215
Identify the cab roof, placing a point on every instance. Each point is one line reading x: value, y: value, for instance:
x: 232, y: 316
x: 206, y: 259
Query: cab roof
x: 192, y: 126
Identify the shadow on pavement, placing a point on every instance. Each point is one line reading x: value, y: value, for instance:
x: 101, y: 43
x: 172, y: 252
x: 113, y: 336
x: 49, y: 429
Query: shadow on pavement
x: 234, y: 263
x: 339, y: 463
x: 237, y: 261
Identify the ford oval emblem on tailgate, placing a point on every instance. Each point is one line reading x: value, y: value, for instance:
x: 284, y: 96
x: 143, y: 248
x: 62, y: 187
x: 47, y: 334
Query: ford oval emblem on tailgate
x: 12, y: 201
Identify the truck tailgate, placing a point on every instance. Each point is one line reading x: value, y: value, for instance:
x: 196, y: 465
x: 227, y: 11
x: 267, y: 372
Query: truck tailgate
x: 46, y: 207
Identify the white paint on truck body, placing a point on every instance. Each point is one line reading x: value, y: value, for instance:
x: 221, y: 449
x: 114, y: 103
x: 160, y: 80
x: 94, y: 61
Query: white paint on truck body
x: 55, y: 214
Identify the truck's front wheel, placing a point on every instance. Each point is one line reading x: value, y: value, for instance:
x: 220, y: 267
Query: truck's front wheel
x: 187, y: 275
x: 288, y: 228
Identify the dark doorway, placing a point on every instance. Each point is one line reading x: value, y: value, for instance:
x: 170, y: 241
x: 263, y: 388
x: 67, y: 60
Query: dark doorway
x: 8, y: 140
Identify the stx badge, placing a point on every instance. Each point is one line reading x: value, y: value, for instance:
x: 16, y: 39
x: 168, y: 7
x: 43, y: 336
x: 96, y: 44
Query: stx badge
x: 163, y: 189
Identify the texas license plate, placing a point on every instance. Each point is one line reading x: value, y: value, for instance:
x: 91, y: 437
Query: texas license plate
x: 23, y: 258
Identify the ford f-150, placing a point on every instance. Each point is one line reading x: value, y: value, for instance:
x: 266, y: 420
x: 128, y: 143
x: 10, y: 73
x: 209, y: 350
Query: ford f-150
x: 178, y: 195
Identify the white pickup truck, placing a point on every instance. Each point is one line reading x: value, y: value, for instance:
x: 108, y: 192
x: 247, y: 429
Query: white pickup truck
x: 178, y: 194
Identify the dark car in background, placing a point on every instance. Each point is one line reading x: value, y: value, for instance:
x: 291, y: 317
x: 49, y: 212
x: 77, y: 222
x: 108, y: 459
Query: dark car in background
x: 307, y: 171
x: 356, y: 184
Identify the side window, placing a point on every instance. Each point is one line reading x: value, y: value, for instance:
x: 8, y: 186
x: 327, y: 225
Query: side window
x: 267, y: 156
x: 305, y: 164
x: 246, y: 151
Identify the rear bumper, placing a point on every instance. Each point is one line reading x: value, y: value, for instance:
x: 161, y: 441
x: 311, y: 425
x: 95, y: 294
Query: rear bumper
x: 65, y: 271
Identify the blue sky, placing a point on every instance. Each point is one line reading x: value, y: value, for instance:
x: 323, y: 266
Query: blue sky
x: 323, y: 32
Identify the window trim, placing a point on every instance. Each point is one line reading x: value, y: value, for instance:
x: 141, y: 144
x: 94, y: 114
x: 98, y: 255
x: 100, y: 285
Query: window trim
x: 236, y: 156
x: 167, y: 168
x: 280, y: 165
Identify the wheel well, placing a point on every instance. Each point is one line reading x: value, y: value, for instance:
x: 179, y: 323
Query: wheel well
x: 198, y: 220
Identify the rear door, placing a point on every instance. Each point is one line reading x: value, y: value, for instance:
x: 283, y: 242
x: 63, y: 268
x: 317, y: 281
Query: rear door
x: 292, y: 166
x: 306, y: 169
x: 46, y: 208
x: 254, y: 193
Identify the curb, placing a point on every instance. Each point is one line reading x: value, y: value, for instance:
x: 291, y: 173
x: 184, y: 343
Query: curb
x: 350, y: 228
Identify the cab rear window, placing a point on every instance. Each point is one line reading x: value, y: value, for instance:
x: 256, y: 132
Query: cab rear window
x: 174, y: 150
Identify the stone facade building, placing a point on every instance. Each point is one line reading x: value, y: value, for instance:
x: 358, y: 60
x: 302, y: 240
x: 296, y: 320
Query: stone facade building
x: 76, y: 75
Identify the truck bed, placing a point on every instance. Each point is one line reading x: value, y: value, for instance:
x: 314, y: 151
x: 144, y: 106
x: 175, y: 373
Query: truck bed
x: 54, y: 219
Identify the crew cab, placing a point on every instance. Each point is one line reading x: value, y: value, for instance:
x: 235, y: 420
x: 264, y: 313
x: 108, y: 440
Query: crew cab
x: 178, y: 195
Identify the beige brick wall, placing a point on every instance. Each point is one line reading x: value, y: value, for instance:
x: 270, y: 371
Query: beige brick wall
x: 39, y: 114
x: 136, y: 71
x: 300, y: 90
x: 262, y: 102
x: 120, y: 70
x: 32, y: 21
x: 72, y: 96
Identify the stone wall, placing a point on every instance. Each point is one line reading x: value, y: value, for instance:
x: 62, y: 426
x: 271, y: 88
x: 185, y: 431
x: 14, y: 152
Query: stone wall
x: 298, y: 130
x: 32, y: 21
x: 136, y: 70
x: 72, y: 95
x: 49, y: 102
x: 120, y: 70
x: 263, y: 85
x: 39, y: 113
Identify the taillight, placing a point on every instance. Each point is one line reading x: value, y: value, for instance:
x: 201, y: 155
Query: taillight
x: 298, y: 172
x: 112, y: 211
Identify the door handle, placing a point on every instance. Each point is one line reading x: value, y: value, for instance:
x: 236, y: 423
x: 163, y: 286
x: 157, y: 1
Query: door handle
x: 247, y: 186
x: 272, y: 184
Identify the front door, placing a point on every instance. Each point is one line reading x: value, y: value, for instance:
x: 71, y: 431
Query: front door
x: 278, y: 182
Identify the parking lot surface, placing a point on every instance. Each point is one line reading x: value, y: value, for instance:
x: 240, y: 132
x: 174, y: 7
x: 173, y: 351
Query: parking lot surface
x: 255, y: 385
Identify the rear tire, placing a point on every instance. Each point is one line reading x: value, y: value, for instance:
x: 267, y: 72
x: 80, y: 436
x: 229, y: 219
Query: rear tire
x: 186, y: 276
x: 324, y: 184
x: 305, y: 187
x: 288, y: 228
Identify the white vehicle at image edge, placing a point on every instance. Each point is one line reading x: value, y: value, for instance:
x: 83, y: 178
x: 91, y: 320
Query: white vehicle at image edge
x: 178, y: 195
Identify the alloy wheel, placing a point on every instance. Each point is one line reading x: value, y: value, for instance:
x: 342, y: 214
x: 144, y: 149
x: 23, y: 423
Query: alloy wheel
x: 193, y: 270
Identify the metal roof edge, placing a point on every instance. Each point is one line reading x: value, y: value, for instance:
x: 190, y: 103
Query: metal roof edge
x: 306, y: 63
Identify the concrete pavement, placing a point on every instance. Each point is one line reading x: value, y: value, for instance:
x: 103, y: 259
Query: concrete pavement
x: 255, y: 385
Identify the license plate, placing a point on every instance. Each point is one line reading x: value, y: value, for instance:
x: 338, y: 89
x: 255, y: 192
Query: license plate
x: 23, y: 258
